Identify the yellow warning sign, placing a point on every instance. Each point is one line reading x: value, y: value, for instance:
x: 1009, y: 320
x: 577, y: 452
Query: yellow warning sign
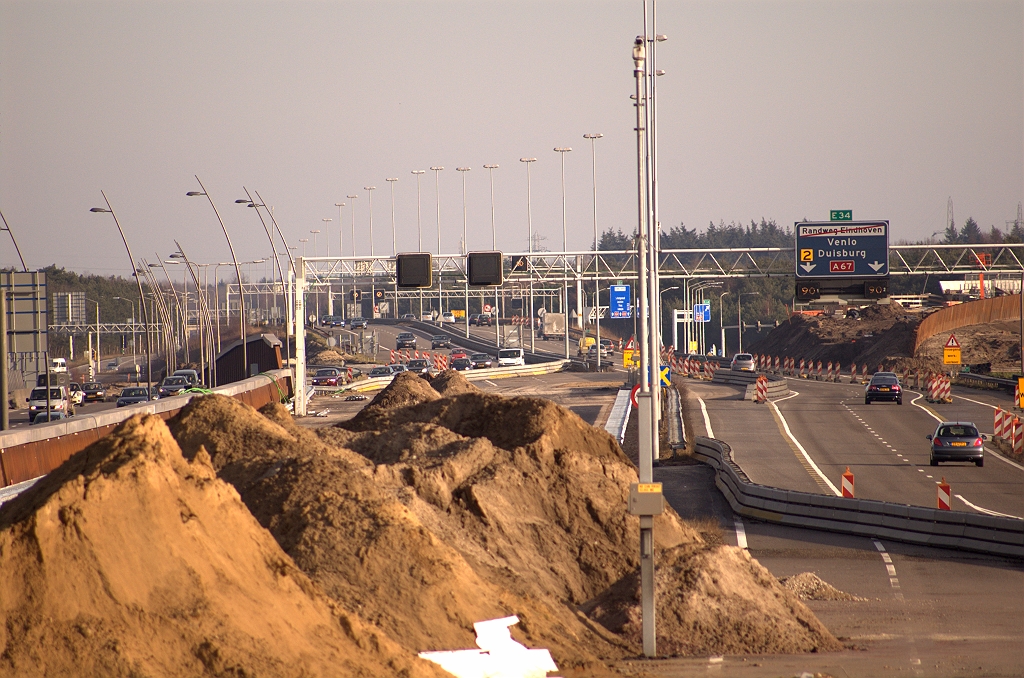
x: 1020, y: 391
x: 952, y: 342
x: 806, y: 255
x: 951, y: 356
x: 646, y: 488
x: 630, y: 357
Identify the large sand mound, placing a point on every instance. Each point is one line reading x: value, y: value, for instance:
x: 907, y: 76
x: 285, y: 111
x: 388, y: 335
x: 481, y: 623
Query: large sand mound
x: 128, y: 561
x: 428, y: 513
x: 452, y: 382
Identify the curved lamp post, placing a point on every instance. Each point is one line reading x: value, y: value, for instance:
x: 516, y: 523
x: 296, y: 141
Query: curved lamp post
x: 238, y: 274
x: 145, y: 313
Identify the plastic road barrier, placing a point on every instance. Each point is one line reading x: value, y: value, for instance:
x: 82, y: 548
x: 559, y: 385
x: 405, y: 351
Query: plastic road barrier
x: 943, y: 495
x: 848, y: 483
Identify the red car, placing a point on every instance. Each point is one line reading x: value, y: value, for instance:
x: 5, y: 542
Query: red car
x: 458, y: 353
x: 327, y: 376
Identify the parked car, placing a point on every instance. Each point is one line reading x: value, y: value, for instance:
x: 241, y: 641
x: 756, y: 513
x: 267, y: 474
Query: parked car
x: 77, y: 395
x: 511, y: 357
x: 957, y: 441
x: 41, y: 418
x: 420, y: 366
x: 358, y: 323
x: 172, y: 386
x: 742, y: 362
x: 883, y: 386
x: 481, y: 361
x: 440, y: 341
x: 405, y: 340
x: 132, y: 395
x: 382, y: 371
x: 462, y: 364
x: 94, y: 391
x: 327, y: 376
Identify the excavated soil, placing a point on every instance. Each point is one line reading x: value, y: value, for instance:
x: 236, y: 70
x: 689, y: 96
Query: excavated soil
x: 997, y: 344
x: 427, y: 512
x: 327, y: 357
x: 129, y: 560
x: 809, y: 586
x: 452, y: 382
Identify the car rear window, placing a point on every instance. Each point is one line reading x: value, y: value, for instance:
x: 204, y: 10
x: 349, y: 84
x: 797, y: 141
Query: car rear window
x: 743, y: 356
x: 885, y: 380
x: 958, y: 432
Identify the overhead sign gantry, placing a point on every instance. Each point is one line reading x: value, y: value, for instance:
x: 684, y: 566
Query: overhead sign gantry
x: 842, y: 260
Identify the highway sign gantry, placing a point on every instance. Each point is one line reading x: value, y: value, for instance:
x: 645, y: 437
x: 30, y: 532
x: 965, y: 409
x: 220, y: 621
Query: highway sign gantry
x: 849, y: 249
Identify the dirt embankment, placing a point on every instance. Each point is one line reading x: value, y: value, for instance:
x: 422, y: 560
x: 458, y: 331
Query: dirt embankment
x: 347, y: 550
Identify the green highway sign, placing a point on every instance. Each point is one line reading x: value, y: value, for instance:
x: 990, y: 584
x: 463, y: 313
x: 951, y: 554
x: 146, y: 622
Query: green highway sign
x: 840, y: 215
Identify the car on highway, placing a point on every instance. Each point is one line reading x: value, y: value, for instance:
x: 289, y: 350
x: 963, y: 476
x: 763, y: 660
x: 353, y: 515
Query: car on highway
x: 957, y: 441
x: 94, y: 391
x: 408, y: 316
x: 382, y: 371
x: 883, y: 386
x: 41, y: 418
x: 462, y: 364
x: 447, y: 317
x: 607, y: 345
x: 440, y: 341
x: 474, y: 319
x: 58, y: 400
x: 399, y: 367
x: 77, y: 395
x: 405, y: 340
x: 172, y: 386
x: 191, y: 376
x: 742, y: 362
x: 358, y: 323
x: 420, y: 366
x: 485, y: 320
x: 481, y: 361
x: 132, y: 395
x: 592, y: 352
x: 327, y: 376
x: 458, y: 353
x: 511, y: 357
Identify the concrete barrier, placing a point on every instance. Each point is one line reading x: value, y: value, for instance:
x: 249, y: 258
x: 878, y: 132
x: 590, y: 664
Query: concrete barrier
x: 884, y: 520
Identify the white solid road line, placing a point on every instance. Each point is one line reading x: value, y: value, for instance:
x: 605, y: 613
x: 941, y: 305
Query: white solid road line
x: 707, y: 419
x: 985, y: 510
x: 741, y: 534
x: 785, y: 426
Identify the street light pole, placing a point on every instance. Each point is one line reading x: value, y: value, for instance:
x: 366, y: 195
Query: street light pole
x: 145, y: 313
x: 419, y: 225
x: 437, y: 201
x: 238, y: 274
x: 394, y: 239
x: 739, y: 314
x: 562, y: 150
x: 280, y: 273
x: 597, y: 261
x: 721, y: 318
x: 529, y: 259
x: 353, y: 238
x: 369, y: 192
x: 314, y: 232
x: 135, y: 321
x: 327, y: 238
x: 497, y: 305
x: 341, y: 230
x: 465, y: 241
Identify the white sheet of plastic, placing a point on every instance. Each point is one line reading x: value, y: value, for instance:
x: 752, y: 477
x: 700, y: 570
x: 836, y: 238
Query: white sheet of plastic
x: 498, y: 657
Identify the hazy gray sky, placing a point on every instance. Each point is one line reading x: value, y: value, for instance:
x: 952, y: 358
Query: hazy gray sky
x: 779, y: 110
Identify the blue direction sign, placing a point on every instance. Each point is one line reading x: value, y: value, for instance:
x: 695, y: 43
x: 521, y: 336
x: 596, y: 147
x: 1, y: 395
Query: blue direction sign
x: 666, y: 376
x: 620, y: 302
x: 850, y: 249
x: 702, y: 313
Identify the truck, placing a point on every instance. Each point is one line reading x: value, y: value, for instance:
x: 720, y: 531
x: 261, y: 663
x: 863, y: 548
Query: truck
x: 553, y: 326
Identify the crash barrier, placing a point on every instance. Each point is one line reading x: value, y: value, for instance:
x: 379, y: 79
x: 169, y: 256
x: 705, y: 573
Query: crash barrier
x: 883, y: 520
x: 984, y: 381
x: 35, y: 451
x: 774, y: 388
x: 979, y: 312
x: 619, y: 416
x: 377, y: 383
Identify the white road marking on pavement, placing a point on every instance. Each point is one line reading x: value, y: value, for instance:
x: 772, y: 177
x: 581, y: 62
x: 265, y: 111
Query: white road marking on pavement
x: 985, y: 510
x: 972, y: 400
x: 707, y: 419
x: 930, y: 413
x: 488, y: 381
x: 1004, y: 459
x: 741, y: 534
x: 785, y: 426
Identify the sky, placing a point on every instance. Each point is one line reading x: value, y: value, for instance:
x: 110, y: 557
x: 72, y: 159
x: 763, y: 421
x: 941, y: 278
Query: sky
x: 768, y: 109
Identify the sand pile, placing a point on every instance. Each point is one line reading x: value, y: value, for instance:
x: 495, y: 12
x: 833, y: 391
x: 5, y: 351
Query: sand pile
x: 128, y: 560
x: 452, y: 382
x: 327, y: 357
x: 426, y: 513
x: 809, y: 586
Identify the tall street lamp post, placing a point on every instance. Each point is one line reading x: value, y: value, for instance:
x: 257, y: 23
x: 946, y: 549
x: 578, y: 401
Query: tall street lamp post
x: 597, y: 261
x: 315, y: 232
x: 394, y: 238
x: 465, y: 240
x: 138, y: 280
x: 353, y: 238
x: 437, y: 201
x: 529, y: 259
x: 419, y: 225
x: 341, y: 229
x: 562, y: 150
x: 327, y: 238
x: 249, y: 202
x: 721, y: 319
x: 494, y: 240
x: 369, y: 193
x: 238, y: 274
x: 739, y: 314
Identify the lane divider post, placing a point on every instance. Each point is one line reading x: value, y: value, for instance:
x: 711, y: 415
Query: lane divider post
x: 848, y: 483
x: 943, y: 495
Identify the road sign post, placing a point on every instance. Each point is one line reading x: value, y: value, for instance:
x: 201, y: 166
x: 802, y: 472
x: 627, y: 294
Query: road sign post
x: 951, y: 351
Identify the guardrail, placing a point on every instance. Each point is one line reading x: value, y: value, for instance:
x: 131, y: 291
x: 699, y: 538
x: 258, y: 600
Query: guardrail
x: 35, y: 451
x: 900, y: 522
x: 377, y: 383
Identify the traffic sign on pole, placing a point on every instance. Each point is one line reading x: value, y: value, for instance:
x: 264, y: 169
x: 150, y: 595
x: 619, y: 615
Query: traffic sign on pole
x: 702, y: 313
x: 619, y: 301
x: 855, y: 249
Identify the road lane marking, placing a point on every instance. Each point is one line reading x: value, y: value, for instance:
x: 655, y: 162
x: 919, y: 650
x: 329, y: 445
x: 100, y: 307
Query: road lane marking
x: 810, y: 462
x: 985, y: 510
x: 741, y: 534
x: 707, y: 419
x: 488, y: 381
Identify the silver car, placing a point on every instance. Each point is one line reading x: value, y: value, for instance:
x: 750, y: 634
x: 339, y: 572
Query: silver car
x: 742, y: 362
x: 957, y: 441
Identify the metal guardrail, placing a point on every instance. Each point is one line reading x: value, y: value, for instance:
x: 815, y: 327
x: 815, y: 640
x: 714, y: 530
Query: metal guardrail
x: 900, y: 522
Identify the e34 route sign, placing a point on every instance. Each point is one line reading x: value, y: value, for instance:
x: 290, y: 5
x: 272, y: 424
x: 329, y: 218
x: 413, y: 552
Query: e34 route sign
x: 847, y: 249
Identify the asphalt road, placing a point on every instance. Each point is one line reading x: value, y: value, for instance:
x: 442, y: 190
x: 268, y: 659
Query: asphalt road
x: 883, y: 444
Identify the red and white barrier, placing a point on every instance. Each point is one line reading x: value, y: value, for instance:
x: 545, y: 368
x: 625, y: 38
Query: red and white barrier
x: 864, y: 373
x: 938, y: 390
x: 392, y: 357
x: 818, y: 375
x: 853, y: 373
x: 943, y: 495
x: 761, y: 393
x: 828, y: 373
x: 1017, y: 436
x: 848, y: 483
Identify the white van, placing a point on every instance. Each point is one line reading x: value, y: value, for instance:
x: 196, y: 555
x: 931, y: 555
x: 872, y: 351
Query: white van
x: 58, y: 365
x: 511, y: 357
x: 59, y: 401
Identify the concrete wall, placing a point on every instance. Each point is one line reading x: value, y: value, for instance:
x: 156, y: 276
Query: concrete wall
x: 971, y: 313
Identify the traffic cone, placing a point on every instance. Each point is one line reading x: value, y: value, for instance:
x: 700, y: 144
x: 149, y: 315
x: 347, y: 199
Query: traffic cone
x: 848, y: 483
x: 943, y: 495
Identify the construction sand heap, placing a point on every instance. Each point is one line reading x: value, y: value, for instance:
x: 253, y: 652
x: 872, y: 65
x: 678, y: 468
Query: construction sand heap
x: 426, y: 513
x: 129, y: 560
x: 452, y: 382
x: 810, y: 586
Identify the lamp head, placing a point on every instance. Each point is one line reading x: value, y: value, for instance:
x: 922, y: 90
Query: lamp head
x: 195, y: 193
